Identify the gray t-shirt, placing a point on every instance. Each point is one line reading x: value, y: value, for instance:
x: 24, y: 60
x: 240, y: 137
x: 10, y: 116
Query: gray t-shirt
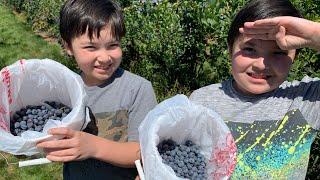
x: 273, y: 131
x: 118, y: 107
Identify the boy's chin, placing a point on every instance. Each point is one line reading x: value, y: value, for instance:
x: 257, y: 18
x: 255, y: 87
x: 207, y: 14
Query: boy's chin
x: 255, y: 90
x: 261, y: 90
x: 96, y: 81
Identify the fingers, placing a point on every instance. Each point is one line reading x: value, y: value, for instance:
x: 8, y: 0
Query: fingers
x: 256, y: 24
x: 66, y: 132
x: 261, y: 35
x: 57, y: 144
x: 267, y: 22
x: 61, y: 158
x: 258, y: 30
x: 251, y: 28
x: 63, y: 152
x: 280, y: 38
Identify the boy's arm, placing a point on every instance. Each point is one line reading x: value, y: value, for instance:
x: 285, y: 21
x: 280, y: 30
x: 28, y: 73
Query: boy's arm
x: 116, y: 153
x: 124, y: 154
x: 80, y: 145
x: 289, y: 32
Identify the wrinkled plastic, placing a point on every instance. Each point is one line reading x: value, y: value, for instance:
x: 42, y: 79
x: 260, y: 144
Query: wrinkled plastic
x: 31, y: 82
x: 180, y: 119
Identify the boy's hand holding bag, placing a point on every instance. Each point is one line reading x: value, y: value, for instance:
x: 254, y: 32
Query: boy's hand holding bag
x: 179, y: 119
x: 32, y: 82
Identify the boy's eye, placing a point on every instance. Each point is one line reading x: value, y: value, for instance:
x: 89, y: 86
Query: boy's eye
x: 281, y: 53
x: 114, y: 45
x: 89, y: 47
x: 248, y: 50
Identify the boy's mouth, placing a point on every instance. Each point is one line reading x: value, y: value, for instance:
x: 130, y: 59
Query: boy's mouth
x: 103, y: 67
x: 259, y: 76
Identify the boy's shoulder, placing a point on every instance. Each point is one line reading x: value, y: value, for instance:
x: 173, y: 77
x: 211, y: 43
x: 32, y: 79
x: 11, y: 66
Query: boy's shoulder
x: 134, y: 77
x: 134, y: 81
x: 305, y: 81
x: 209, y: 90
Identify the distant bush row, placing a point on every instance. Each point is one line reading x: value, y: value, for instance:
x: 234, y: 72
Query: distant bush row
x: 179, y: 45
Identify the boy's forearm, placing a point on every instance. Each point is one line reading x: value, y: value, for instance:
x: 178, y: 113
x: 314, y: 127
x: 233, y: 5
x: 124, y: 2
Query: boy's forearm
x: 116, y: 153
x: 316, y: 37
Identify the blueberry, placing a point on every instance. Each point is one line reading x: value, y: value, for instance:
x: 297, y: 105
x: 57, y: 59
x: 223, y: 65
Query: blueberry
x: 16, y: 125
x: 34, y: 111
x: 66, y: 110
x: 29, y: 124
x: 23, y: 126
x: 35, y: 121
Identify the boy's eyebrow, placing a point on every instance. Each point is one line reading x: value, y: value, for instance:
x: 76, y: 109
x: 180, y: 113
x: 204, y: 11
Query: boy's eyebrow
x: 93, y: 43
x: 250, y: 43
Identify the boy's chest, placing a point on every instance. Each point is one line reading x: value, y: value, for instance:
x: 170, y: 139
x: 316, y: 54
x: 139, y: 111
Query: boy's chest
x: 273, y: 149
x: 110, y: 125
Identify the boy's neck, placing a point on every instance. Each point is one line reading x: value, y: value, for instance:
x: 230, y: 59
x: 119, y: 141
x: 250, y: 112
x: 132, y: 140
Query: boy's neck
x: 105, y: 82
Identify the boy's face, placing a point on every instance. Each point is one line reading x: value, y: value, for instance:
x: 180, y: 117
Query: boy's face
x: 97, y: 58
x: 259, y: 66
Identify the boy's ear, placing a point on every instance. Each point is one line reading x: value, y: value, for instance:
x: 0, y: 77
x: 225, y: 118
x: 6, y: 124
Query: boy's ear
x: 67, y: 48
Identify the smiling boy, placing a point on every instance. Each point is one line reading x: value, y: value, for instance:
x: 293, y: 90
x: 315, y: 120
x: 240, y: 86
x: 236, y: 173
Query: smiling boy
x: 91, y: 31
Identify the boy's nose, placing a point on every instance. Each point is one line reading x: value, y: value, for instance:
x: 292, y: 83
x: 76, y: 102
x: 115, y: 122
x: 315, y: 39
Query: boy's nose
x: 261, y: 63
x: 104, y: 57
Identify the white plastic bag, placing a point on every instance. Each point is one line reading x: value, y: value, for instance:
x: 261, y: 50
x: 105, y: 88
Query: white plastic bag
x: 31, y: 82
x: 180, y: 119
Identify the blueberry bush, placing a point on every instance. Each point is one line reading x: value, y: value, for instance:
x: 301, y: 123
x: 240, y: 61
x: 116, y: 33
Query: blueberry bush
x: 179, y: 45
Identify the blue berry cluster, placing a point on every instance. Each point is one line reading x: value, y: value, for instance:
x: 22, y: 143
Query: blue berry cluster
x: 35, y: 117
x: 185, y: 159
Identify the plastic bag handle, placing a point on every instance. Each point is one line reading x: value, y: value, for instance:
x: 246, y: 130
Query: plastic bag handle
x: 34, y: 162
x: 86, y: 116
x: 139, y: 168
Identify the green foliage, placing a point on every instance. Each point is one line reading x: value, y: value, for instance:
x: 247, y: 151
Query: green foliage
x: 310, y: 9
x: 177, y: 41
x: 43, y: 15
x: 125, y: 3
x: 179, y: 45
x: 16, y: 4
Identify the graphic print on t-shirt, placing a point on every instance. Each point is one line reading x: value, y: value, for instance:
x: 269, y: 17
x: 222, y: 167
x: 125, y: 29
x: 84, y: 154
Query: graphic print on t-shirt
x: 110, y: 125
x: 273, y: 149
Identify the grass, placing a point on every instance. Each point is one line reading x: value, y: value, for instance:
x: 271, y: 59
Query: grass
x: 11, y: 171
x: 17, y: 41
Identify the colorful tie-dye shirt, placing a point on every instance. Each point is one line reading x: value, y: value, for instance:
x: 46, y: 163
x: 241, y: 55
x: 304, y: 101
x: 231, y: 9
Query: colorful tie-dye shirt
x: 273, y: 131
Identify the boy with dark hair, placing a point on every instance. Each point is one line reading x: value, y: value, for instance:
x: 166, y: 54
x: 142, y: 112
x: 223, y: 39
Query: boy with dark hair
x: 273, y: 121
x: 119, y: 100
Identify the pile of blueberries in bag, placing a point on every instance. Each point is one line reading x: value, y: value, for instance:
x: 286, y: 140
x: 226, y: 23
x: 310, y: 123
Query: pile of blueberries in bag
x: 35, y: 117
x: 185, y: 159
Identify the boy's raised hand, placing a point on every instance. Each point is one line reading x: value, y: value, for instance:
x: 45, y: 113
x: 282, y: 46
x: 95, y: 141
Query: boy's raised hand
x: 75, y: 146
x: 288, y: 32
